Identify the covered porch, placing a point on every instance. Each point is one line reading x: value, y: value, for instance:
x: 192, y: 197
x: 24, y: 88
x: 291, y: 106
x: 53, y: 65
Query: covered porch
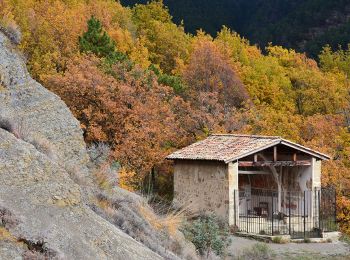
x: 279, y: 193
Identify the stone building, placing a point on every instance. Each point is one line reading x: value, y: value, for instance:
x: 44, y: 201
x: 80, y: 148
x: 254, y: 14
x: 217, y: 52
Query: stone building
x: 248, y: 178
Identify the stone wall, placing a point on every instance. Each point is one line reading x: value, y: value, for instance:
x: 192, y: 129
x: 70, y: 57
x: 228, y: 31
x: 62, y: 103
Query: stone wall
x: 204, y: 185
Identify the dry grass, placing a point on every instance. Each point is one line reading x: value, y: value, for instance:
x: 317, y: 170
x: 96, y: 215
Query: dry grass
x: 103, y: 173
x: 5, y: 235
x: 21, y: 130
x: 259, y: 251
x: 164, y: 217
x: 43, y: 145
x: 76, y: 173
x: 105, y: 177
x: 18, y: 127
x: 133, y: 215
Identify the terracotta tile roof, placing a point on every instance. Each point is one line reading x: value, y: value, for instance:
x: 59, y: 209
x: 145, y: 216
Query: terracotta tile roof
x: 227, y: 148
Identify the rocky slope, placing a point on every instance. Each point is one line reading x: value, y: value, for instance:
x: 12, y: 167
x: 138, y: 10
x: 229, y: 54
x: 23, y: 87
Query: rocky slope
x: 42, y: 213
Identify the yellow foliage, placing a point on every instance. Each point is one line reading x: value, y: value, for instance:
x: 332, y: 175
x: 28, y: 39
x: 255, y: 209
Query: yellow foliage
x: 139, y: 53
x: 128, y: 180
x: 50, y: 29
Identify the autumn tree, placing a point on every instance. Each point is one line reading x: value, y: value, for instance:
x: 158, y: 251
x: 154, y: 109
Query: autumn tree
x: 214, y: 87
x: 133, y: 115
x: 167, y: 43
x: 335, y: 60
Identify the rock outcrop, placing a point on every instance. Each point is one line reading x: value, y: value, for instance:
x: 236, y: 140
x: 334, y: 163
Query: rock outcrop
x: 42, y: 113
x: 41, y: 207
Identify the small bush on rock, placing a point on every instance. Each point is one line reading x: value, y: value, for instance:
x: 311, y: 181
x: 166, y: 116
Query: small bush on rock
x: 9, y: 27
x: 43, y: 145
x: 105, y: 172
x: 99, y: 153
x: 208, y: 233
x: 21, y: 130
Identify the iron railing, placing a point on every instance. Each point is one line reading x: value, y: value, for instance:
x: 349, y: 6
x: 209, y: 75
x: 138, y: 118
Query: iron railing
x: 299, y: 214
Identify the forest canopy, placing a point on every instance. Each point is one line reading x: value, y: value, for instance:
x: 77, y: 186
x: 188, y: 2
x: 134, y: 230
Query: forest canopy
x: 305, y: 25
x: 151, y: 88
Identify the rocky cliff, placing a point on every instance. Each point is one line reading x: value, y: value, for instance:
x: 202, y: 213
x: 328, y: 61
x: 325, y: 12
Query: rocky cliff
x: 42, y: 213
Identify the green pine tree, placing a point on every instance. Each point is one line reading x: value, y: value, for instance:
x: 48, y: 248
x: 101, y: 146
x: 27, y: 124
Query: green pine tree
x: 96, y: 40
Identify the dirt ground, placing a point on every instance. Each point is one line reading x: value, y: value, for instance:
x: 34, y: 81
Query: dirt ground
x: 335, y: 250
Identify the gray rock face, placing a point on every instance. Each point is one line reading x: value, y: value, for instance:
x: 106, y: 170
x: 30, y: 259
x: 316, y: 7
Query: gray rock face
x: 47, y: 206
x: 37, y: 109
x: 41, y: 207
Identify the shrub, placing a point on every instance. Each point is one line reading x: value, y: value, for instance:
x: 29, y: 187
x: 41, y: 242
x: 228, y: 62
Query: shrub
x: 208, y: 234
x: 307, y: 240
x: 278, y: 240
x: 104, y: 172
x: 11, y: 30
x: 20, y: 129
x: 2, y: 81
x: 259, y: 251
x: 99, y: 153
x: 345, y: 238
x: 262, y: 232
x: 42, y: 145
x: 7, y: 219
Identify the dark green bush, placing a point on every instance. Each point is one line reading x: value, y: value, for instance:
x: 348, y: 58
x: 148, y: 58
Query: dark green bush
x: 172, y: 81
x: 208, y: 233
x: 175, y: 82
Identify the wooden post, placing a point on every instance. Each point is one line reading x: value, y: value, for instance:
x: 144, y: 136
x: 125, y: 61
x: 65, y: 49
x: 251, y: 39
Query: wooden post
x: 255, y: 157
x: 295, y: 157
x: 275, y: 153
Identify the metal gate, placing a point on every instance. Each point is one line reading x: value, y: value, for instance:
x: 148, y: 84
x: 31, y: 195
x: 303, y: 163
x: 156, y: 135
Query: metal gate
x: 303, y: 214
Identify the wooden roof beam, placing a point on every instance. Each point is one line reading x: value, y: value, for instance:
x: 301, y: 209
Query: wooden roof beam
x: 272, y: 163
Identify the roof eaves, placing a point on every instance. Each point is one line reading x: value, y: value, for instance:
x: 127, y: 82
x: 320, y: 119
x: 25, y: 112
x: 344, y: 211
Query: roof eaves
x: 319, y: 155
x: 193, y: 159
x: 275, y: 142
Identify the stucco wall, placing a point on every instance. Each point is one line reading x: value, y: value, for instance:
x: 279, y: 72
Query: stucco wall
x: 204, y: 184
x: 316, y: 173
x: 233, y: 216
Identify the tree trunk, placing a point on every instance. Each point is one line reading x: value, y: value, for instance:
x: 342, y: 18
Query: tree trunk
x: 278, y: 180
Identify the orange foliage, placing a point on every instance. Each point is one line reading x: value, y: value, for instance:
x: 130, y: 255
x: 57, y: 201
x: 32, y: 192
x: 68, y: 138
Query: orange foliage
x: 134, y: 115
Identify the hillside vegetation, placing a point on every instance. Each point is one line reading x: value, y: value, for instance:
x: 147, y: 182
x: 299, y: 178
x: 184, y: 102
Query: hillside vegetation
x: 152, y: 88
x: 305, y: 25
